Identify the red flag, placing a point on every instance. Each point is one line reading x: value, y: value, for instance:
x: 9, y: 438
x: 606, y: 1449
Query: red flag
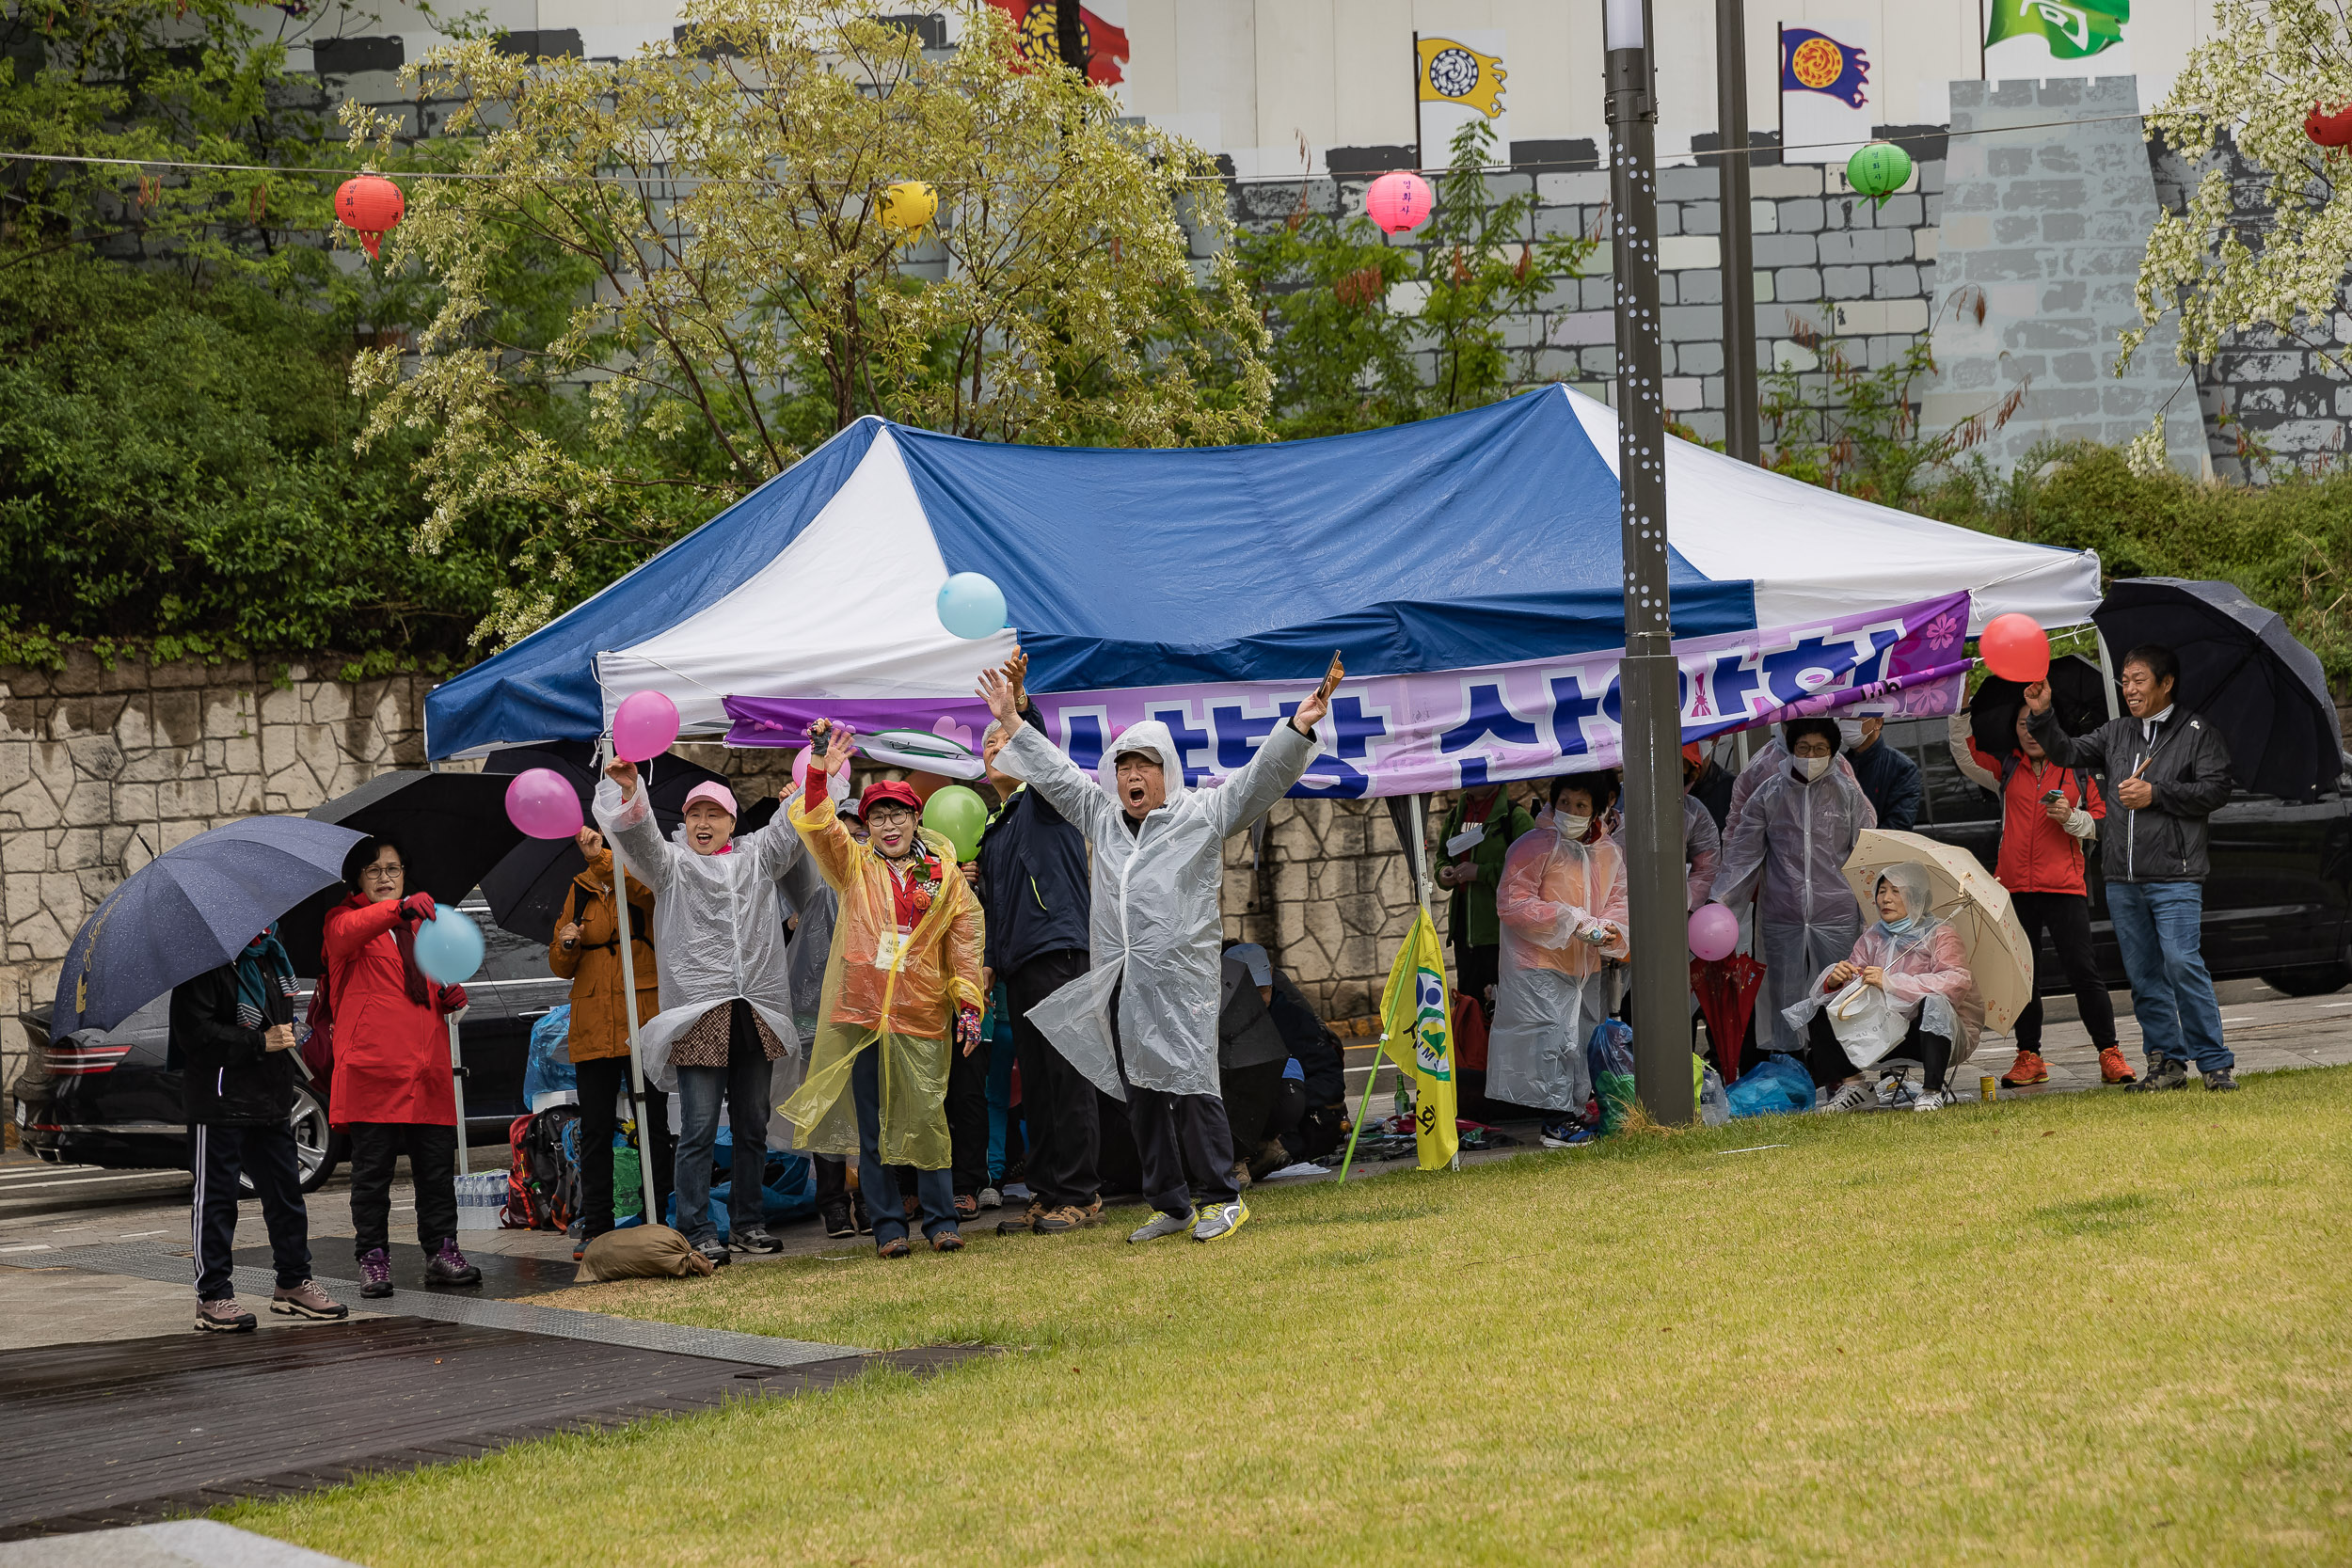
x: 1033, y: 35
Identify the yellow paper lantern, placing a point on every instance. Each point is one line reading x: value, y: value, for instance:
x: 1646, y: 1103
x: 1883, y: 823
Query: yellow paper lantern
x: 907, y: 207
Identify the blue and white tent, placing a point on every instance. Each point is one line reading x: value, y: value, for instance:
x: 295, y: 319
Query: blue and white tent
x: 1480, y: 539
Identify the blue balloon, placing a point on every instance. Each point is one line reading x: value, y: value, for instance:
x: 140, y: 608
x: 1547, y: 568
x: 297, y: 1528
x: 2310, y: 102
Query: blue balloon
x: 970, y: 605
x: 449, y: 947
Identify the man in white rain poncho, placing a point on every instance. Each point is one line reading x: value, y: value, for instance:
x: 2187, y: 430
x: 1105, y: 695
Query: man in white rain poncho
x: 1141, y: 1022
x: 1924, y: 1007
x: 726, y: 991
x: 1562, y: 908
x: 1793, y: 836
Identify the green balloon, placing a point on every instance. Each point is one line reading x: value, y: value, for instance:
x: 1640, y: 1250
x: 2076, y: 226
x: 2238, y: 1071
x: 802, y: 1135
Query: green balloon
x: 1878, y: 171
x: 957, y: 814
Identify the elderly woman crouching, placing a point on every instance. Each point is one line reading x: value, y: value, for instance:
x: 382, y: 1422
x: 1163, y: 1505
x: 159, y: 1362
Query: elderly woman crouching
x: 1905, y: 991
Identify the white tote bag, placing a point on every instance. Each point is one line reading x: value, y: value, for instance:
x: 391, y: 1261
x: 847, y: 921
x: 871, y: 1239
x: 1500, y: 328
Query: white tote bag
x: 1865, y: 1022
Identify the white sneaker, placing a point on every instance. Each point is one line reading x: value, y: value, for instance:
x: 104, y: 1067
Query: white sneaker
x: 992, y: 1198
x: 1935, y: 1100
x: 1165, y: 1225
x: 1850, y: 1097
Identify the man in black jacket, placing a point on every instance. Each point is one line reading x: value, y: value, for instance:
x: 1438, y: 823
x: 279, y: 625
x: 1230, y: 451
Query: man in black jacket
x: 1033, y: 888
x: 232, y: 1030
x: 2169, y: 771
x: 1887, y: 775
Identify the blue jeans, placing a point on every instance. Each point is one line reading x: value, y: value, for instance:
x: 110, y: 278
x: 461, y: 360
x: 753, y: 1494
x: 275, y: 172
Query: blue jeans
x: 741, y: 1087
x: 2157, y: 926
x: 885, y: 1205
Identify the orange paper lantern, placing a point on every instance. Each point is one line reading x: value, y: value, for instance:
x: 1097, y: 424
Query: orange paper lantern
x: 371, y: 206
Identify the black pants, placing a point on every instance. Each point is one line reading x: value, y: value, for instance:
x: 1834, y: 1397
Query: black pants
x: 1176, y: 1133
x: 967, y: 1116
x: 265, y: 1154
x: 1474, y: 972
x: 1063, y: 1122
x: 2067, y: 917
x: 432, y: 1151
x: 602, y: 1081
x: 1319, y: 1132
x: 1830, y: 1065
x: 1252, y: 1097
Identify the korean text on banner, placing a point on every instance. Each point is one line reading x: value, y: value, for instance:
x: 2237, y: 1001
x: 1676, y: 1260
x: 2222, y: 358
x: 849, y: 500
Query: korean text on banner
x: 1417, y: 1032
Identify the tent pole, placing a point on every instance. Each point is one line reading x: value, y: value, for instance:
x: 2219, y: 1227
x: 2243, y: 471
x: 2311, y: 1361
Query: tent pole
x: 628, y: 1001
x: 458, y: 1088
x: 2106, y: 674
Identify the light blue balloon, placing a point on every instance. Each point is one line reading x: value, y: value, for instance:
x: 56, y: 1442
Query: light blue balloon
x: 970, y: 605
x: 449, y: 947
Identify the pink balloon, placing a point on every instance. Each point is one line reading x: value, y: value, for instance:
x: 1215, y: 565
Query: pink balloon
x: 1714, y: 932
x: 643, y: 726
x: 542, y: 803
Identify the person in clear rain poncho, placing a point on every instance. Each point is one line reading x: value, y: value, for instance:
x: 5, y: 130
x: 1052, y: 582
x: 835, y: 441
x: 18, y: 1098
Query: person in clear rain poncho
x: 1562, y: 906
x: 902, y: 978
x: 1914, y: 960
x: 1141, y: 1022
x: 1793, y: 835
x: 725, y: 1021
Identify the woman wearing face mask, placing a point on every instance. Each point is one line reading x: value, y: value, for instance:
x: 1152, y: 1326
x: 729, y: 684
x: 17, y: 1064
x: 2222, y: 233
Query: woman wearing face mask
x: 1562, y: 907
x: 1793, y: 838
x: 1915, y: 960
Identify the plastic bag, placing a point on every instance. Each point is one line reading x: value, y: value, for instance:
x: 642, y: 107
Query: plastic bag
x: 1714, y: 1104
x: 1609, y: 1056
x: 548, y: 1068
x: 1865, y: 1022
x: 1777, y: 1086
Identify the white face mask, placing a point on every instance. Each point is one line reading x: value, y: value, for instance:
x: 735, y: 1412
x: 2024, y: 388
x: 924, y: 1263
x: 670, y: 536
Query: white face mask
x: 1850, y: 734
x: 1572, y: 827
x: 1810, y: 769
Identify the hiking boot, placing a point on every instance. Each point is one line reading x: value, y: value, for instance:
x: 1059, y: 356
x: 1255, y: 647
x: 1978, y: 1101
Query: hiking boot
x: 1165, y: 1225
x: 2113, y: 1068
x: 754, y: 1238
x: 1094, y: 1210
x: 715, y: 1252
x: 992, y: 1198
x: 375, y: 1274
x: 1850, y: 1097
x: 1271, y: 1157
x: 448, y: 1266
x: 2164, y: 1072
x: 307, y: 1300
x: 967, y: 1208
x: 1239, y: 1174
x: 1220, y: 1220
x: 837, y: 1221
x: 1057, y: 1222
x: 947, y: 1241
x: 2027, y: 1071
x: 897, y: 1247
x: 223, y: 1316
x: 2220, y: 1082
x: 1567, y: 1133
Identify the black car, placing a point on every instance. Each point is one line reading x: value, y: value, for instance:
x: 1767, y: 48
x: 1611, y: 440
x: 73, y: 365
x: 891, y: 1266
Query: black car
x: 2278, y: 902
x: 113, y: 1097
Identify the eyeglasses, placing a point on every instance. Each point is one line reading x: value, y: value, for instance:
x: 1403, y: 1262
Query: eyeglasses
x: 382, y: 872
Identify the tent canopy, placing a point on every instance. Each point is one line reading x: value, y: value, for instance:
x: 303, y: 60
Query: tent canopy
x: 1480, y: 538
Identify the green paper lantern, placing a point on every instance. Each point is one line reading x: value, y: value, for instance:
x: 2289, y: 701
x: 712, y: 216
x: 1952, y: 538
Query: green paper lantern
x: 1878, y: 171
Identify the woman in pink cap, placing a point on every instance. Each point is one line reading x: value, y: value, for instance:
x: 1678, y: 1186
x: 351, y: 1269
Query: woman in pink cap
x: 727, y: 992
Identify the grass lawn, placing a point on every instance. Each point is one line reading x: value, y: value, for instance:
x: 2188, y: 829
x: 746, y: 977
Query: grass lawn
x: 2090, y: 1327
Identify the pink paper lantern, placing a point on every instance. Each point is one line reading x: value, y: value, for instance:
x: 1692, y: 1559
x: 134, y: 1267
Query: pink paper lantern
x: 543, y: 804
x: 643, y: 726
x: 1398, y: 201
x: 1714, y: 932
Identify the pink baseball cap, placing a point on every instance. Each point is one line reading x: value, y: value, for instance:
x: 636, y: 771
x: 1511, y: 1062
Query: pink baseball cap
x: 717, y: 794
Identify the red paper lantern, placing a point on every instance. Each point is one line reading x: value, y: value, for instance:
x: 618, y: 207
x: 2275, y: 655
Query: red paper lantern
x: 2330, y: 129
x: 369, y: 206
x: 1398, y: 201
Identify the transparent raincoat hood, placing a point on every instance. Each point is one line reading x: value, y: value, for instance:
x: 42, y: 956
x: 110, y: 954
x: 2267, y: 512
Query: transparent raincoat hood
x: 1549, y: 985
x: 1155, y: 932
x: 1927, y: 971
x: 718, y: 924
x: 1793, y: 838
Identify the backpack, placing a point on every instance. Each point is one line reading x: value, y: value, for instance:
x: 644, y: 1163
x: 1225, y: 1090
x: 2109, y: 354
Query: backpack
x: 543, y: 1176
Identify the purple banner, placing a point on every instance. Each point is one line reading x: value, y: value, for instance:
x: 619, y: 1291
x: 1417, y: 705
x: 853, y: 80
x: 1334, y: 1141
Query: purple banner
x: 1407, y: 735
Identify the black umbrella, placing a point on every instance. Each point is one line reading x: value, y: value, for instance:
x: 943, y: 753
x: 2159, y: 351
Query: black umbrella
x: 192, y: 909
x: 2243, y: 672
x: 452, y: 828
x: 526, y: 889
x: 2075, y: 689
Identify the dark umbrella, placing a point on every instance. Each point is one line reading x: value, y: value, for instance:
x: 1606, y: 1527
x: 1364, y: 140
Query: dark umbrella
x: 453, y: 828
x: 192, y: 909
x: 526, y: 889
x: 2075, y: 686
x: 2243, y: 672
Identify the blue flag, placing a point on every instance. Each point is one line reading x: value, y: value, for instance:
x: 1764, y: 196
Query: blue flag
x: 1812, y: 61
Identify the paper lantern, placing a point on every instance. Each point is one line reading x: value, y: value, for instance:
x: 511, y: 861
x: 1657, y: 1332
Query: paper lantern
x: 1878, y: 171
x: 1398, y: 201
x: 371, y: 206
x: 907, y: 207
x: 2330, y: 128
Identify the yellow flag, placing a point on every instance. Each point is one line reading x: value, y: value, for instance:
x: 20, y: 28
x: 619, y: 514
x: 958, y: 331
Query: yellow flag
x: 1417, y: 1035
x: 1454, y: 73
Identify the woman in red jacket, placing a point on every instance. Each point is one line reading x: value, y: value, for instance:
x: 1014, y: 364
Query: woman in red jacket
x: 392, y: 1089
x: 2047, y: 812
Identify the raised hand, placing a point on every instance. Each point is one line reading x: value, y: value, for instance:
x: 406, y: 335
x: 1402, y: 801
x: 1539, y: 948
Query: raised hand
x: 1311, y: 711
x: 1018, y: 667
x: 1001, y: 691
x: 2038, y: 697
x: 839, y: 742
x: 623, y: 773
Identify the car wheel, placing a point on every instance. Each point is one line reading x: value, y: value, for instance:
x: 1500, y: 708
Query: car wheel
x: 2317, y: 980
x: 317, y: 1151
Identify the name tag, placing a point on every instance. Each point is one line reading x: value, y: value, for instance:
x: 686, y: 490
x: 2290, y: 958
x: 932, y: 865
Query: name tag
x: 889, y: 948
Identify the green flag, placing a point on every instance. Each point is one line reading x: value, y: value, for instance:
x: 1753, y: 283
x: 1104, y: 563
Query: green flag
x: 2072, y: 30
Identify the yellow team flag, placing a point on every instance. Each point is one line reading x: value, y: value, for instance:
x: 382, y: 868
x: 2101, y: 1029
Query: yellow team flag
x: 1417, y: 1035
x: 1454, y: 73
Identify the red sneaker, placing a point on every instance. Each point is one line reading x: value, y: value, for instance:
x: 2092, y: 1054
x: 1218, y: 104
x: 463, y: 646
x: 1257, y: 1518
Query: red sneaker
x: 2113, y: 1068
x: 2027, y: 1071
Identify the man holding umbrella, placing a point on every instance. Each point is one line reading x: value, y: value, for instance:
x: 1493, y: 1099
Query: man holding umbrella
x: 2169, y: 771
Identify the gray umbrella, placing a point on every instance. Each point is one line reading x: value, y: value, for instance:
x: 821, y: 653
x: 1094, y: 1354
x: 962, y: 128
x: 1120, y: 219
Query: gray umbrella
x: 192, y: 909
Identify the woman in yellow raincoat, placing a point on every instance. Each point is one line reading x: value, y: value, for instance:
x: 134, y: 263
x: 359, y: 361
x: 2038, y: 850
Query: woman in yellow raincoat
x: 905, y: 964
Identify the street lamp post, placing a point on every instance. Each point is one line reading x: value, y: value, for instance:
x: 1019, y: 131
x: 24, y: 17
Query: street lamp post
x: 1652, y: 704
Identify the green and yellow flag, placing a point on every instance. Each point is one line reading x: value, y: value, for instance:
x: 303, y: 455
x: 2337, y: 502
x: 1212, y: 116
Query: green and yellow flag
x: 2073, y: 31
x: 1417, y: 1032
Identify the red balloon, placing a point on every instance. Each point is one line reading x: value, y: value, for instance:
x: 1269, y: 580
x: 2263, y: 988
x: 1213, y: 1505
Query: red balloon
x: 2015, y: 648
x: 369, y: 206
x: 2330, y: 128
